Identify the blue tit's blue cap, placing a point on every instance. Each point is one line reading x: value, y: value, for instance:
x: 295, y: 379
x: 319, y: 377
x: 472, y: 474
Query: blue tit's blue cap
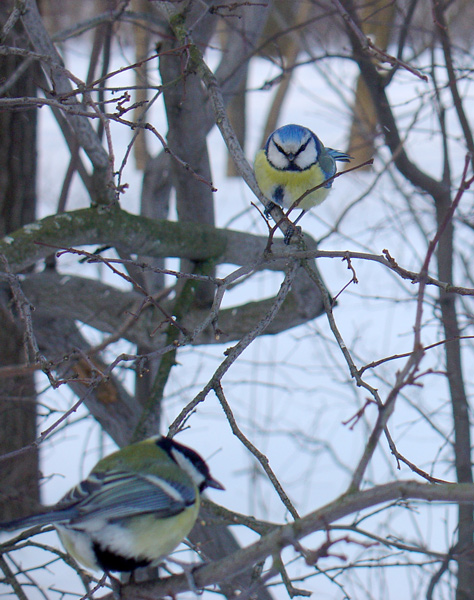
x: 294, y: 134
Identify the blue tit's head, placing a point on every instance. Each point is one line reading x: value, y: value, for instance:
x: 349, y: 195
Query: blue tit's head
x: 292, y: 148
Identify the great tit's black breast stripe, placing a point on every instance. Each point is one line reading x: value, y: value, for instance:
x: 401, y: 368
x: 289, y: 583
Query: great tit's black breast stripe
x: 110, y: 561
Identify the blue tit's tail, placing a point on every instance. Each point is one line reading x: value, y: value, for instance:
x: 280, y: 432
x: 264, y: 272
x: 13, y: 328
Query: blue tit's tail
x: 338, y: 155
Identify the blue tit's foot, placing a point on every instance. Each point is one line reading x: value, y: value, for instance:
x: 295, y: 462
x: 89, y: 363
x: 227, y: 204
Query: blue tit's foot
x: 268, y: 209
x: 292, y: 229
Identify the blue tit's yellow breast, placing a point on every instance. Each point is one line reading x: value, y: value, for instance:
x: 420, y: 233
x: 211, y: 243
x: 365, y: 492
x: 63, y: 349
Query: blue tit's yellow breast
x: 285, y: 187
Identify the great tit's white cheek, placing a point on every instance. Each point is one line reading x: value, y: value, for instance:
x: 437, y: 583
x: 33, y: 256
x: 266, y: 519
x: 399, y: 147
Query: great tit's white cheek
x: 188, y: 467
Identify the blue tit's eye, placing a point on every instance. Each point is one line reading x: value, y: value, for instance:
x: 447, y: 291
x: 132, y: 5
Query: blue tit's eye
x: 302, y: 147
x: 279, y: 148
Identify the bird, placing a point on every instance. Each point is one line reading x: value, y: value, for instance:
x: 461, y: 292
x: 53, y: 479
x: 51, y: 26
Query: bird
x: 293, y: 161
x: 134, y: 508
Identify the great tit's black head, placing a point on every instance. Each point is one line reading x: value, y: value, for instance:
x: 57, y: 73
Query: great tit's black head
x: 190, y: 461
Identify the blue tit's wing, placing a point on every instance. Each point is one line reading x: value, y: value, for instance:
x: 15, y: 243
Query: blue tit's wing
x: 114, y: 495
x: 327, y: 165
x: 327, y: 162
x: 338, y: 155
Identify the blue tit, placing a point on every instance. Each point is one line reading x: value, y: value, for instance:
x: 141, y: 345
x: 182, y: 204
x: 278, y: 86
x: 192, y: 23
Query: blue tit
x: 294, y: 161
x: 135, y: 507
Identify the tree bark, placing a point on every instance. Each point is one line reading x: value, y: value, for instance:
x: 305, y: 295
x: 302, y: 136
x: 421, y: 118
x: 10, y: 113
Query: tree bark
x: 19, y: 485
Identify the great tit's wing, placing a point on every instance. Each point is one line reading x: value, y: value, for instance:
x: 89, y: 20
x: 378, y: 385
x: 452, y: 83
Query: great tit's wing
x: 120, y: 494
x: 113, y: 495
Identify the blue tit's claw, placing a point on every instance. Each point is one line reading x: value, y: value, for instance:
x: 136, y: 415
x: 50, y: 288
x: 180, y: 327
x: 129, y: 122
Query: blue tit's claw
x: 268, y: 209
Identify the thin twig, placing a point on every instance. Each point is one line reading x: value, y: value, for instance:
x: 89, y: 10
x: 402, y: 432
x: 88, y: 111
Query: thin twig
x: 233, y: 353
x: 10, y: 579
x: 407, y: 374
x: 262, y: 459
x: 371, y: 49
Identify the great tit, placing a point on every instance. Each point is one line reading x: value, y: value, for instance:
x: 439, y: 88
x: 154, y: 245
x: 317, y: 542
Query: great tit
x: 293, y: 161
x: 135, y: 507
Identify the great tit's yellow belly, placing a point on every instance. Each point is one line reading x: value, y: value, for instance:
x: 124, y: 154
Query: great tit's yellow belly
x: 143, y: 538
x: 285, y: 187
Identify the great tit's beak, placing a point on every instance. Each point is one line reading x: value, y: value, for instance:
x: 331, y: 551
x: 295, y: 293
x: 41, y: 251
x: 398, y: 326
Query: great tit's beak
x: 213, y: 483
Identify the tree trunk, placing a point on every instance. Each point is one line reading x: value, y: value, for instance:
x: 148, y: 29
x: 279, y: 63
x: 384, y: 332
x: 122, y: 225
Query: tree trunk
x: 19, y: 486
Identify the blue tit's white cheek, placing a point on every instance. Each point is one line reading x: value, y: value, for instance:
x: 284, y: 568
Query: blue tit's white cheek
x: 276, y: 158
x: 307, y: 157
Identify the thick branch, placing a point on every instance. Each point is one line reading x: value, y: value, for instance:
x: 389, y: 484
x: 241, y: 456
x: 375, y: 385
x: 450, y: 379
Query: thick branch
x: 287, y: 535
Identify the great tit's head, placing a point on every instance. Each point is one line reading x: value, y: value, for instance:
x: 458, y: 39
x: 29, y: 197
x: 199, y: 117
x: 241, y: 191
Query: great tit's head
x: 292, y: 148
x: 190, y: 462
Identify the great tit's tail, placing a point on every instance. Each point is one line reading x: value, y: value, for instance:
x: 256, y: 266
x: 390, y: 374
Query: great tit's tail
x: 45, y: 518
